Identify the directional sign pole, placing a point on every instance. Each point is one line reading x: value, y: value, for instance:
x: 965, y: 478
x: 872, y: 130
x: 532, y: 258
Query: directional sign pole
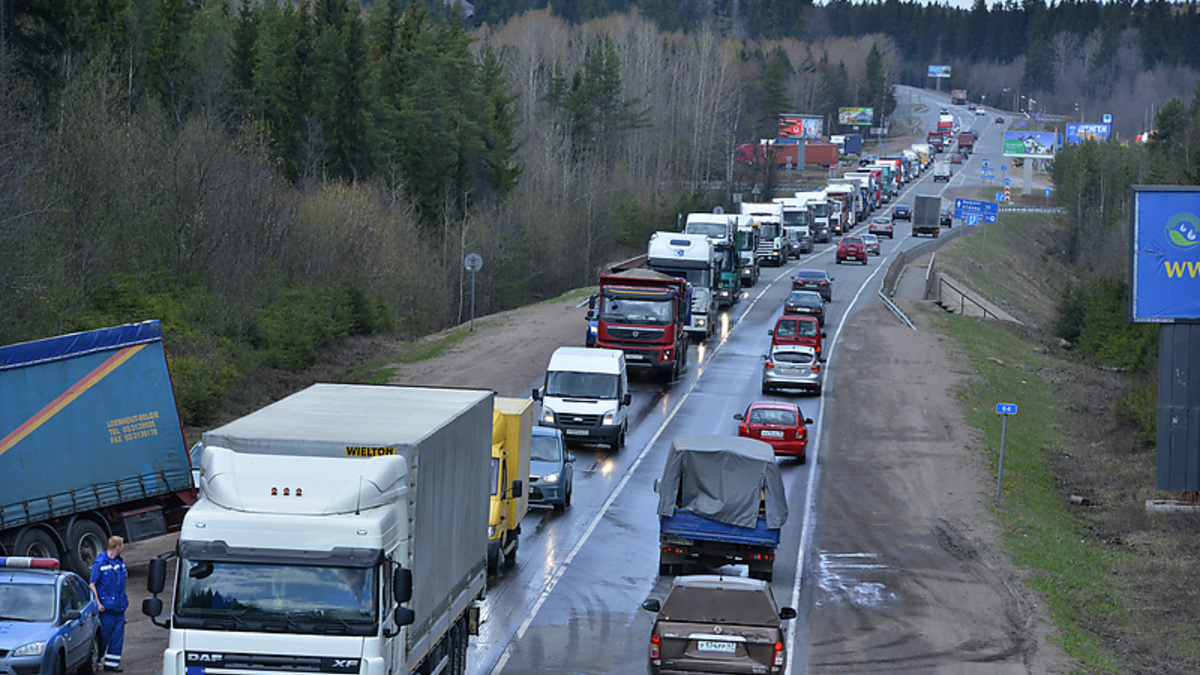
x: 473, y: 262
x: 1004, y: 410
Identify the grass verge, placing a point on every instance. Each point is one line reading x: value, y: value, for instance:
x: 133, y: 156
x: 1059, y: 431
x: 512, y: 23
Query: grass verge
x: 1074, y: 572
x: 382, y: 370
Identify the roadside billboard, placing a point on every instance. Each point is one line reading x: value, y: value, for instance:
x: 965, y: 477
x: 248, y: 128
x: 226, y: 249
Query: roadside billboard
x: 1164, y: 265
x: 1038, y: 145
x: 807, y: 127
x: 856, y: 116
x: 1078, y: 133
x: 939, y: 71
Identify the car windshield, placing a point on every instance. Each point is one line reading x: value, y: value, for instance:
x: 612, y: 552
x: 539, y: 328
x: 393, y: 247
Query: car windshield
x: 810, y: 275
x: 545, y: 449
x: 772, y: 416
x: 571, y: 384
x: 720, y: 605
x: 852, y: 240
x: 26, y: 602
x: 285, y: 596
x: 624, y: 310
x: 789, y: 356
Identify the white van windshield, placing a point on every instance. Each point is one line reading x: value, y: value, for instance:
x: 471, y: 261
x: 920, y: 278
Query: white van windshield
x: 569, y: 384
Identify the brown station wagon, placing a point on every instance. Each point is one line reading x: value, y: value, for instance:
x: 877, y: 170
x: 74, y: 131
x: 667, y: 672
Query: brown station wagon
x: 717, y: 624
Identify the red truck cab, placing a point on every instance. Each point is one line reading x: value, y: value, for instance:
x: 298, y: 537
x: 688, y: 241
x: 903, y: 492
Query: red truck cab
x: 643, y: 313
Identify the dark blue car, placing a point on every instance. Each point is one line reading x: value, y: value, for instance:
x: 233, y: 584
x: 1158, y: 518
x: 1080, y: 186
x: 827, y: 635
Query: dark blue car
x: 551, y: 469
x: 49, y: 620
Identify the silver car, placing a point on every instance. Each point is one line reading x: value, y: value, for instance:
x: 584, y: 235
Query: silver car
x: 872, y: 243
x: 792, y: 367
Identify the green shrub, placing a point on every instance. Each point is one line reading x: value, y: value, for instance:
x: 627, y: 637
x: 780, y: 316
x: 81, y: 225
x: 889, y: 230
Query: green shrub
x: 1138, y: 408
x: 200, y: 386
x: 1107, y: 334
x: 1069, y: 311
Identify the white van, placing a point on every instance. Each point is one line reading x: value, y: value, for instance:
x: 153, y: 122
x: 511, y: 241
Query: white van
x: 586, y: 395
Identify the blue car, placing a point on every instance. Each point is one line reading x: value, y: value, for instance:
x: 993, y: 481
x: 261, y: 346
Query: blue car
x: 551, y: 469
x: 49, y: 620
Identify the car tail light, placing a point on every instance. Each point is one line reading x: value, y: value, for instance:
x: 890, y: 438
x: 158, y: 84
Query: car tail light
x: 816, y: 367
x: 744, y: 430
x: 801, y: 434
x: 655, y: 650
x: 777, y: 660
x: 770, y: 364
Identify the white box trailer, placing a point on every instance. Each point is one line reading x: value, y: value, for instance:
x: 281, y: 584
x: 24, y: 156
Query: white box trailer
x: 344, y: 525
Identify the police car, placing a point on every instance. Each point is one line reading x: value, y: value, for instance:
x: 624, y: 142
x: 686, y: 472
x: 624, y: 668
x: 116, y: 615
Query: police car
x: 49, y: 620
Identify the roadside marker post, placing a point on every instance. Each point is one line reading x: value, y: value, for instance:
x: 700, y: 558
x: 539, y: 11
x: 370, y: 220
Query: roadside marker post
x: 1003, y: 410
x: 473, y: 262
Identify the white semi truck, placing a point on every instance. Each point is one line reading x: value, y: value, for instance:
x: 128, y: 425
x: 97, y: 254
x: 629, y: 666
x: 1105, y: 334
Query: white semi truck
x: 821, y: 209
x: 695, y: 258
x: 338, y: 530
x: 772, y: 240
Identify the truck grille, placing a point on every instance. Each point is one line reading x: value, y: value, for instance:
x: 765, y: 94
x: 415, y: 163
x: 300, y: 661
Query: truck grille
x: 638, y: 334
x: 272, y: 663
x: 576, y: 420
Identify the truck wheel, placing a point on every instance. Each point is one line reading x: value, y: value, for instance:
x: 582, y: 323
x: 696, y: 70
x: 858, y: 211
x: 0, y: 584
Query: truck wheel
x: 493, y: 563
x: 85, y: 541
x: 34, y: 542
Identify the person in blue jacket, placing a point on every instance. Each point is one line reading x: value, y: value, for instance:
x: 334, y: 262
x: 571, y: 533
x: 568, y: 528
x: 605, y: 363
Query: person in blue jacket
x: 108, y: 583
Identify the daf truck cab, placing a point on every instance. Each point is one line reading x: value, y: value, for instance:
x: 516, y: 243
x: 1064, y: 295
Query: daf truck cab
x: 721, y: 230
x: 586, y: 395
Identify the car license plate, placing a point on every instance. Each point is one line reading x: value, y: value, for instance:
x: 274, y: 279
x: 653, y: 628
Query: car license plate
x: 772, y: 433
x: 575, y: 432
x: 716, y: 646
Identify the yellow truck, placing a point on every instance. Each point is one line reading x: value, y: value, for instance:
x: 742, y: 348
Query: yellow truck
x: 512, y: 432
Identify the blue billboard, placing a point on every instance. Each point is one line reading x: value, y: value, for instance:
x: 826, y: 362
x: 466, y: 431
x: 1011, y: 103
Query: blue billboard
x: 1078, y: 133
x: 1164, y: 265
x: 939, y: 71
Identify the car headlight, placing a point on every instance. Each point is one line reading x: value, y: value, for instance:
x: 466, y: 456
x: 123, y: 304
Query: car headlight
x: 29, y: 649
x: 550, y: 478
x: 609, y: 419
x: 547, y: 416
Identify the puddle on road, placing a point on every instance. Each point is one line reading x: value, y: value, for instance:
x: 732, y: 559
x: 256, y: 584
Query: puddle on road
x: 853, y: 578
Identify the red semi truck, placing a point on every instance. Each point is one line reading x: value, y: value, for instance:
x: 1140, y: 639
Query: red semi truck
x: 935, y: 140
x: 966, y: 142
x: 643, y: 313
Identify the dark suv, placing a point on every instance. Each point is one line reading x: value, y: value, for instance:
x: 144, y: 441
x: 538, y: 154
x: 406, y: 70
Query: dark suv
x: 718, y: 624
x: 814, y: 280
x: 902, y: 212
x: 851, y: 248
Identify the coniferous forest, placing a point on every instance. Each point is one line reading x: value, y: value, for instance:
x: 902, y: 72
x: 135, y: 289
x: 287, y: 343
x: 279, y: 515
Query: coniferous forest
x: 269, y: 178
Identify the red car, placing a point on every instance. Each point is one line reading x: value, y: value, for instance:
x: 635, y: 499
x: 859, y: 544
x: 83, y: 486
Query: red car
x: 851, y: 248
x: 780, y: 424
x: 956, y: 158
x: 797, y: 329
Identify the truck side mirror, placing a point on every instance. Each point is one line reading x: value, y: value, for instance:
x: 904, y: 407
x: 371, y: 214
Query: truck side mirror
x: 570, y: 457
x: 152, y: 607
x: 626, y: 399
x: 405, y: 616
x: 656, y: 485
x: 156, y: 578
x: 537, y: 394
x: 402, y: 586
x: 653, y: 605
x: 787, y: 613
x: 591, y: 314
x: 516, y: 489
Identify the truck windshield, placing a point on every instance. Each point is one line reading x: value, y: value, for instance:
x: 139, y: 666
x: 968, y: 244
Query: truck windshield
x: 769, y: 230
x: 646, y: 312
x: 745, y: 240
x: 275, y: 596
x: 715, y: 230
x: 819, y: 209
x: 569, y: 384
x: 796, y: 218
x: 700, y: 278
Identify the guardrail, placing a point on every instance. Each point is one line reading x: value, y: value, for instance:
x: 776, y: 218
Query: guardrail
x: 1021, y: 208
x: 896, y: 268
x: 962, y: 299
x: 896, y: 310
